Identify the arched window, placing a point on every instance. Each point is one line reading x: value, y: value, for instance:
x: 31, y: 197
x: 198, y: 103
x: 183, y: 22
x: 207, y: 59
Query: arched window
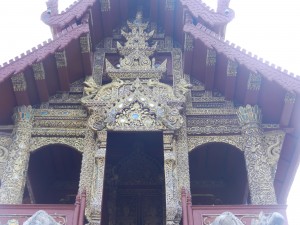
x: 53, y: 175
x: 218, y: 175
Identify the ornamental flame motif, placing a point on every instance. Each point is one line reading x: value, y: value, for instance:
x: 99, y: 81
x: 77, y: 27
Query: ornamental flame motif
x: 135, y: 99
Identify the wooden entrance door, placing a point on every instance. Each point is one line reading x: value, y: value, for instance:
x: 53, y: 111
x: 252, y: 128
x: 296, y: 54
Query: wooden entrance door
x: 139, y: 207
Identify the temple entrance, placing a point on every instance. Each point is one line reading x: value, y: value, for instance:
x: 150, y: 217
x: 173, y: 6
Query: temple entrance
x: 134, y: 192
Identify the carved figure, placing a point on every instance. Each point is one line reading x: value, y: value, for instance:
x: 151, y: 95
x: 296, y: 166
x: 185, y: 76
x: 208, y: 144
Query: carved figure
x: 40, y: 217
x: 183, y: 86
x: 273, y: 219
x: 227, y: 218
x: 94, y: 91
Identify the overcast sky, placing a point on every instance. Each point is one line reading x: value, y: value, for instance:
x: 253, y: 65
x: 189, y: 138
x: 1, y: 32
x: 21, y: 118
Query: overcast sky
x: 268, y: 28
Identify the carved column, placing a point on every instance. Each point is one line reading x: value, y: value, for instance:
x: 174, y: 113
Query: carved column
x: 173, y: 208
x: 87, y: 167
x: 14, y: 177
x: 98, y: 178
x: 259, y: 172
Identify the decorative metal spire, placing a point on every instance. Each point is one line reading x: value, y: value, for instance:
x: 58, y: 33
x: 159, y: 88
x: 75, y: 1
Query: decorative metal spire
x: 136, y: 53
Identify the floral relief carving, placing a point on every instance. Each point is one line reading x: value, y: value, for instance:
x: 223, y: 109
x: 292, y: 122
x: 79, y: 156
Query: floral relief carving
x: 13, y: 181
x: 234, y: 140
x: 259, y: 170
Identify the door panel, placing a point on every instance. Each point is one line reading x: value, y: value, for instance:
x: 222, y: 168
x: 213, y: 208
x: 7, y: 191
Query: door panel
x: 139, y: 207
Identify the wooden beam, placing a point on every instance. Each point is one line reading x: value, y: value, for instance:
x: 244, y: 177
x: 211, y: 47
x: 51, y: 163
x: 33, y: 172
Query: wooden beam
x: 288, y: 108
x: 253, y: 88
x: 211, y: 59
x: 20, y: 88
x: 231, y: 74
x: 85, y: 46
x: 63, y: 74
x: 40, y: 81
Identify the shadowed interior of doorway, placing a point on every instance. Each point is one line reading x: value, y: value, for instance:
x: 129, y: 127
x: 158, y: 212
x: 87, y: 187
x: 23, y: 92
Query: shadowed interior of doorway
x: 134, y: 191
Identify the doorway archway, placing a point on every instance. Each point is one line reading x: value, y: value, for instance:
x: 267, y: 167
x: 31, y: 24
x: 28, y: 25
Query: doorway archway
x: 218, y: 175
x: 134, y: 179
x: 53, y: 175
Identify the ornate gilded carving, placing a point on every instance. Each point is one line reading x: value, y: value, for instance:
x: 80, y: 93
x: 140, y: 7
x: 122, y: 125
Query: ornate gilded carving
x: 254, y: 81
x: 188, y: 42
x: 211, y: 57
x: 61, y: 60
x: 134, y: 105
x: 180, y: 146
x: 98, y: 177
x: 227, y: 218
x: 5, y: 142
x: 85, y: 44
x: 272, y: 142
x: 196, y: 141
x: 38, y: 142
x: 136, y: 53
x: 105, y: 5
x: 87, y: 168
x: 290, y: 97
x: 41, y: 217
x: 273, y: 219
x: 173, y: 209
x: 38, y: 71
x: 60, y: 113
x: 19, y: 82
x: 170, y: 5
x: 211, y: 111
x: 259, y: 171
x: 232, y: 68
x: 13, y: 182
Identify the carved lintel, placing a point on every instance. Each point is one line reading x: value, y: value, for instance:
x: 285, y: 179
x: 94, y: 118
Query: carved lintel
x: 19, y: 82
x: 290, y: 97
x: 211, y: 57
x: 85, y: 44
x: 38, y: 71
x: 105, y: 5
x: 232, y: 68
x: 254, y: 81
x: 188, y: 42
x: 61, y: 60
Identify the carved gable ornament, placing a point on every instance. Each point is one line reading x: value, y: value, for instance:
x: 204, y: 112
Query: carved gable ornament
x: 135, y: 99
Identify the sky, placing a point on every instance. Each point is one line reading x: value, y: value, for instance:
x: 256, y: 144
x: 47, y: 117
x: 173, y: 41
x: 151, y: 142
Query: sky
x: 267, y: 28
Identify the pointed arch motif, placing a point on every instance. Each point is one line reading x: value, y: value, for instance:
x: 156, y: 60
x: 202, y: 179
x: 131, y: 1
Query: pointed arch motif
x: 39, y: 142
x: 197, y: 141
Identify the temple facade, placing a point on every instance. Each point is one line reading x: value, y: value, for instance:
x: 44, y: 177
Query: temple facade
x: 137, y: 112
